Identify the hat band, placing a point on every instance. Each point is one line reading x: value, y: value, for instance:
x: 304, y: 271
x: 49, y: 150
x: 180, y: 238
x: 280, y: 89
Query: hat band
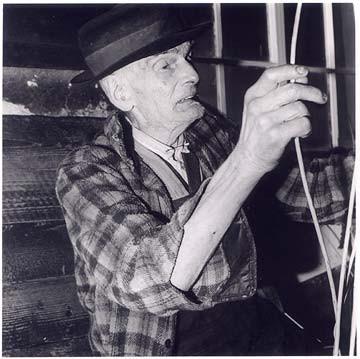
x: 108, y: 55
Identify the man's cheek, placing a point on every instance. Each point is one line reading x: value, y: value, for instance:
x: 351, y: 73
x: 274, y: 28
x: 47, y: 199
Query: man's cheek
x: 162, y: 101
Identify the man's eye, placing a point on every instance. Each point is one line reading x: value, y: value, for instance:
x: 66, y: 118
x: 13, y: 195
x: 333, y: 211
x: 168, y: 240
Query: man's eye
x: 162, y: 65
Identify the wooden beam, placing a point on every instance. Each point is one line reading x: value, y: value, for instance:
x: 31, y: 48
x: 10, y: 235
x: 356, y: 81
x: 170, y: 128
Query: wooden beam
x: 329, y: 38
x: 31, y: 251
x: 30, y: 91
x: 220, y: 74
x: 75, y: 347
x: 29, y: 176
x: 276, y: 33
x: 41, y: 132
x: 34, y: 147
x: 40, y: 312
x: 255, y: 64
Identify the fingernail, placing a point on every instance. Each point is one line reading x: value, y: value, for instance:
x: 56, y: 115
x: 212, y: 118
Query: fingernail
x: 324, y: 96
x: 301, y: 70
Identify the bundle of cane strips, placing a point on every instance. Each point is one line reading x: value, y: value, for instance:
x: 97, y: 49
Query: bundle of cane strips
x: 336, y: 300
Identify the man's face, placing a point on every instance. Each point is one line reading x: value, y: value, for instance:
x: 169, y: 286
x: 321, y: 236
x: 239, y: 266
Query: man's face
x: 163, y: 87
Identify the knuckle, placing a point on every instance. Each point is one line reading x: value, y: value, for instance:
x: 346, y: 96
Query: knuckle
x: 301, y: 108
x: 248, y: 95
x: 263, y: 122
x: 269, y: 74
x: 293, y: 91
x: 273, y: 135
x: 306, y: 124
x: 253, y: 107
x: 302, y: 80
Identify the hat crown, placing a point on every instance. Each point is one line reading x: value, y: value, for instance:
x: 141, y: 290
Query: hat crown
x: 127, y: 33
x: 124, y: 20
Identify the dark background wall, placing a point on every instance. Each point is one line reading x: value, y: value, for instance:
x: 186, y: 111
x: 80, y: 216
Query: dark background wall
x: 43, y: 121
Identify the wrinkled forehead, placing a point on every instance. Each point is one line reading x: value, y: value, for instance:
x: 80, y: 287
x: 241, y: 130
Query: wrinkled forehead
x: 182, y: 49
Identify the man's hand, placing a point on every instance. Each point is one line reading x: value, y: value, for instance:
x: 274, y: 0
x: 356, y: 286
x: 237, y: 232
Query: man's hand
x: 274, y: 114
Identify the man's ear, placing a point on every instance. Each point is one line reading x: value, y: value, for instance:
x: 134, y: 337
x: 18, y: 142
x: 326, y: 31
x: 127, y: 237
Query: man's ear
x: 123, y: 96
x: 119, y: 93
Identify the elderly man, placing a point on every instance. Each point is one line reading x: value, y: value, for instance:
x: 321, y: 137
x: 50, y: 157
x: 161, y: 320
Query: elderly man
x: 164, y: 257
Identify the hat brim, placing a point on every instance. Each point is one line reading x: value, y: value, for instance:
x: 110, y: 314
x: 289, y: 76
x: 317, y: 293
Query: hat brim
x: 163, y: 44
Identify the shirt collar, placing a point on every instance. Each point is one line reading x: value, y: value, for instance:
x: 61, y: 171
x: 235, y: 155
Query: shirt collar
x: 172, y: 152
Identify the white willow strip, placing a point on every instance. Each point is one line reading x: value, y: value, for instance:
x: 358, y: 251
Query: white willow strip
x: 302, y: 171
x: 343, y: 264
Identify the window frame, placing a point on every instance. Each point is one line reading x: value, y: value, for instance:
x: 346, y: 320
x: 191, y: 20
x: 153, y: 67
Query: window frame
x: 277, y: 55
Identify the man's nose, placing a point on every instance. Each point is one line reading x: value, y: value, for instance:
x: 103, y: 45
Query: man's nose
x: 188, y: 73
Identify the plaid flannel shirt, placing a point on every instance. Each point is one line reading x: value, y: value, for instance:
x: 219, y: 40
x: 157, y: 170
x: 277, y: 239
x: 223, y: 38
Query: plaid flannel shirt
x: 126, y: 235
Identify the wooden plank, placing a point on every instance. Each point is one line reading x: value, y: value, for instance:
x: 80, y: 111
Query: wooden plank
x: 220, y: 73
x: 33, y: 148
x: 31, y: 251
x: 43, y: 311
x: 44, y: 214
x: 31, y: 91
x: 29, y: 176
x: 46, y: 131
x: 75, y: 347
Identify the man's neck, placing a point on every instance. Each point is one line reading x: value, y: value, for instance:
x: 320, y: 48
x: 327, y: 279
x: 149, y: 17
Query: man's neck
x: 165, y: 135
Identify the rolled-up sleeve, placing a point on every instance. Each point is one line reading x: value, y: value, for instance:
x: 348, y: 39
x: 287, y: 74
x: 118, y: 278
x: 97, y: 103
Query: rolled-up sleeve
x: 128, y: 250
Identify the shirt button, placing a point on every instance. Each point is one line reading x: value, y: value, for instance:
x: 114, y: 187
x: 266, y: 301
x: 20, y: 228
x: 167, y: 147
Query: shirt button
x: 168, y: 343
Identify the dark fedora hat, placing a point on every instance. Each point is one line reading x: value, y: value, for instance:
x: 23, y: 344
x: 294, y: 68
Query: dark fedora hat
x: 127, y: 33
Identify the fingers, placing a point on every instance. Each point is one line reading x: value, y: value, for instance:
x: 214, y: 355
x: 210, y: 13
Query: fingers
x: 294, y: 92
x: 285, y: 95
x: 300, y: 127
x: 286, y: 113
x: 289, y: 112
x: 287, y: 122
x: 302, y: 80
x: 274, y: 112
x: 281, y: 134
x: 271, y: 77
